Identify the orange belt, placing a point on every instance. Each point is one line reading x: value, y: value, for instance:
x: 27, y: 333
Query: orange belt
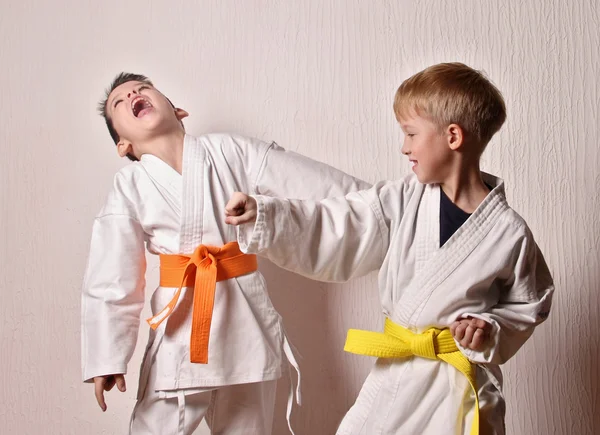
x: 201, y: 270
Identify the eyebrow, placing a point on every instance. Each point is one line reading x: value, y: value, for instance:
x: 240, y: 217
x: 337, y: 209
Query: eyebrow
x: 113, y: 100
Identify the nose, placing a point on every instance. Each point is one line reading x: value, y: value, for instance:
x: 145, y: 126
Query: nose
x: 130, y: 93
x: 404, y: 150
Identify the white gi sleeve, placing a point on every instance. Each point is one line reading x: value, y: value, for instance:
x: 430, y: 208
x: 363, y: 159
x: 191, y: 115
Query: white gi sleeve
x: 524, y: 302
x: 332, y: 240
x: 113, y: 291
x: 286, y: 174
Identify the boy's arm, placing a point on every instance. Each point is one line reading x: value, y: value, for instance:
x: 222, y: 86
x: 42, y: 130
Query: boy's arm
x: 113, y: 295
x: 272, y: 171
x: 525, y: 301
x: 286, y: 174
x: 332, y: 240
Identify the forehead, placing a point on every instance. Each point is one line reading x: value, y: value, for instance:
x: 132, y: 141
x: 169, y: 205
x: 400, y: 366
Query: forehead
x: 407, y: 109
x: 411, y: 118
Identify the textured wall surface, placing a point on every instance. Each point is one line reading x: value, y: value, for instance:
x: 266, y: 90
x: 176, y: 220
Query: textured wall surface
x: 317, y: 76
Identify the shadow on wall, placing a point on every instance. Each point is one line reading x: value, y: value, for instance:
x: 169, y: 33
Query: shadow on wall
x: 327, y: 391
x: 575, y: 371
x: 579, y: 376
x: 563, y: 392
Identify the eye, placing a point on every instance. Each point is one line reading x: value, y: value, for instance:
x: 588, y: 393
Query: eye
x: 116, y: 102
x: 410, y: 135
x: 143, y: 87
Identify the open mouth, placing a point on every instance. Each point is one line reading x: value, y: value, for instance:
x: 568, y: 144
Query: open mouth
x: 140, y: 106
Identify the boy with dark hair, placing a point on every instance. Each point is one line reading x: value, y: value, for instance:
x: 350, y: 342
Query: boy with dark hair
x: 217, y: 345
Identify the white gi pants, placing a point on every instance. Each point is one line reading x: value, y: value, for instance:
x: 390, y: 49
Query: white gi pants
x: 245, y: 409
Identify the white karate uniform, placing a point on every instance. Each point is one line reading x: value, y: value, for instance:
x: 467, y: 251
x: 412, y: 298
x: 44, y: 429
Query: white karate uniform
x: 491, y: 268
x: 153, y: 206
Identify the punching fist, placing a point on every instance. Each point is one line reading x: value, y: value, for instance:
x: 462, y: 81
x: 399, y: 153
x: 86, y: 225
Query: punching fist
x: 241, y: 209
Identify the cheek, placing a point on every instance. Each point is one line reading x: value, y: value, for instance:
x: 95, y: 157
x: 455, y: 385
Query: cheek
x: 121, y: 126
x: 118, y: 125
x: 418, y: 147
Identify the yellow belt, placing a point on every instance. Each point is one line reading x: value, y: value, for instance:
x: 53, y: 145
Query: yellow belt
x: 399, y: 342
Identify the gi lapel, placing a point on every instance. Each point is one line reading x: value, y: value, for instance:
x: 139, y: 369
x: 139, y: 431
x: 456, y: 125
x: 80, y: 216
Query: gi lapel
x: 435, y: 264
x: 166, y: 179
x: 193, y: 194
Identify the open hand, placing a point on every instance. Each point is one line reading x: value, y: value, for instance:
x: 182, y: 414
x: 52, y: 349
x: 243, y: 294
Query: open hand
x: 106, y: 383
x: 241, y: 209
x: 471, y: 333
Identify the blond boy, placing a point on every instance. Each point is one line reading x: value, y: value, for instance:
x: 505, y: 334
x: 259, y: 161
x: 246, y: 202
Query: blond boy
x: 462, y: 282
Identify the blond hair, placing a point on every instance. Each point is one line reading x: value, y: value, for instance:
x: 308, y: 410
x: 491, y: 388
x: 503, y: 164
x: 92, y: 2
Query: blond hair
x: 453, y: 93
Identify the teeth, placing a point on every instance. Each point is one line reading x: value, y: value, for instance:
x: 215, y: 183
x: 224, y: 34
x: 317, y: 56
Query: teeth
x: 144, y: 104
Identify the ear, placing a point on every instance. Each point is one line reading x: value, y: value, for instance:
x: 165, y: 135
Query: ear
x: 455, y: 136
x: 124, y: 147
x: 180, y: 113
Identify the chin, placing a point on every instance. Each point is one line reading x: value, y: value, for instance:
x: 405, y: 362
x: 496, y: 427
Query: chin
x: 421, y: 178
x: 426, y: 180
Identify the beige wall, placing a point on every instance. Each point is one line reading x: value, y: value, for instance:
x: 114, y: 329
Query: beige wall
x: 318, y: 77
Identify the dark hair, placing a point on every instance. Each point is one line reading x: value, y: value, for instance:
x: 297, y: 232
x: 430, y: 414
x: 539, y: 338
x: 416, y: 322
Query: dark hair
x: 120, y: 79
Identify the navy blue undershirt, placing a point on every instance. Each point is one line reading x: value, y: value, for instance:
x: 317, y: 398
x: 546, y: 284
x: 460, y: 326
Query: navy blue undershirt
x: 451, y: 217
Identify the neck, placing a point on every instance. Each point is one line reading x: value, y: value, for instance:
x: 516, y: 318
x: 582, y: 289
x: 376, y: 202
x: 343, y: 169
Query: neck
x: 168, y: 147
x: 466, y: 188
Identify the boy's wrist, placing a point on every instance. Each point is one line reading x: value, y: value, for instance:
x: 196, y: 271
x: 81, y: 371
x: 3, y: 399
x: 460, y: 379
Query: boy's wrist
x: 250, y: 235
